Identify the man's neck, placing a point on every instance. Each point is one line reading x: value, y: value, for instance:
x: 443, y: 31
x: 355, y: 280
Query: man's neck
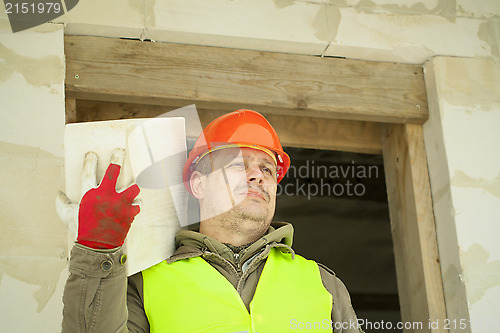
x: 231, y: 230
x: 234, y: 237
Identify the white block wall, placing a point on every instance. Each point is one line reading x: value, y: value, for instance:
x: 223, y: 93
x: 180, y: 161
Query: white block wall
x: 462, y: 144
x: 33, y: 241
x: 461, y: 136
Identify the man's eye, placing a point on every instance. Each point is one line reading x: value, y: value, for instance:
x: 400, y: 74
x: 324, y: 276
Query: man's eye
x: 237, y: 165
x: 268, y: 171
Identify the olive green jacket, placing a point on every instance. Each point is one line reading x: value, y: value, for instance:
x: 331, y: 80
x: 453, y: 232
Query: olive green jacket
x: 98, y: 297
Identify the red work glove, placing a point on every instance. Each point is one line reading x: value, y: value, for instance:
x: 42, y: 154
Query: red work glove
x: 105, y: 216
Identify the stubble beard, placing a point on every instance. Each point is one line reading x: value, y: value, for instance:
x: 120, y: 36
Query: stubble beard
x: 250, y: 218
x: 245, y: 221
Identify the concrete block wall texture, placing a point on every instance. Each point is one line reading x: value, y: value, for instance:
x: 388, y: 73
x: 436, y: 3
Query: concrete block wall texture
x: 111, y: 18
x: 407, y: 31
x: 462, y: 140
x: 33, y: 241
x: 463, y: 116
x: 261, y: 24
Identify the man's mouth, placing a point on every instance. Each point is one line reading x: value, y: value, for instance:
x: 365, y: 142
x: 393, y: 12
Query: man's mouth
x: 256, y: 193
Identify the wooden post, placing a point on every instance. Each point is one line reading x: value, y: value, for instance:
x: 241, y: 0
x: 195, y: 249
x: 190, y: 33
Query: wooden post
x: 413, y: 228
x: 70, y: 110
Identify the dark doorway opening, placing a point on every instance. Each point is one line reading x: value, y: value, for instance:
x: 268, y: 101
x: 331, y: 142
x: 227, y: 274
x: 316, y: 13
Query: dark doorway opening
x: 337, y: 203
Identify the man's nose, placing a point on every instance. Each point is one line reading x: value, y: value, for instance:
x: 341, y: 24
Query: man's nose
x: 254, y: 174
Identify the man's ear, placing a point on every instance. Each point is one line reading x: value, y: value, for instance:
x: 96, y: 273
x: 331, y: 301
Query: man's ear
x: 197, y: 184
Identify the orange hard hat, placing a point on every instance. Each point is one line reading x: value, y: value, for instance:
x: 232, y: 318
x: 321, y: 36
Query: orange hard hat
x: 241, y: 128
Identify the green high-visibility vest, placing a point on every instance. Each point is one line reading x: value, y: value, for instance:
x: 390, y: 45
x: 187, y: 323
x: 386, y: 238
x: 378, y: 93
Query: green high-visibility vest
x: 190, y: 296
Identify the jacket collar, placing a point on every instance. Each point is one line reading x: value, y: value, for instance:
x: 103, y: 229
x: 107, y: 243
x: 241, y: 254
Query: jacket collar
x: 191, y: 244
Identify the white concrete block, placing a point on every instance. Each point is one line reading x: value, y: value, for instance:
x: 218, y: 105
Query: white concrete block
x: 19, y: 308
x: 472, y: 135
x: 247, y: 24
x: 33, y: 242
x: 32, y: 89
x: 405, y: 38
x: 476, y: 214
x: 421, y: 4
x: 481, y: 321
x: 474, y: 8
x: 468, y: 113
x: 444, y: 212
x: 390, y: 6
x: 110, y: 18
x: 4, y: 20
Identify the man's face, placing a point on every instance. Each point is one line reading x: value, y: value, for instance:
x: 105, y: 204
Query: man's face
x: 243, y: 184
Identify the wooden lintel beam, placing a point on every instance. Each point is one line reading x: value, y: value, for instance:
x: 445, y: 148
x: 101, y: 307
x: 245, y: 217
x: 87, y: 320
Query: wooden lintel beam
x: 303, y: 132
x: 132, y: 71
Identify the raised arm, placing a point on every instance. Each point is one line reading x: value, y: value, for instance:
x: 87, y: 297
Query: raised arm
x: 95, y: 295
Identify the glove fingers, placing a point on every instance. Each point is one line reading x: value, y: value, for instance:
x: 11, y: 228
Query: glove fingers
x: 130, y: 193
x: 64, y: 208
x: 134, y: 210
x: 113, y: 171
x: 118, y: 156
x: 110, y: 177
x: 89, y: 172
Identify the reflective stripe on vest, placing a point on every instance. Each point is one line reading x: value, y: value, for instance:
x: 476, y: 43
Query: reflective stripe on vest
x: 190, y: 295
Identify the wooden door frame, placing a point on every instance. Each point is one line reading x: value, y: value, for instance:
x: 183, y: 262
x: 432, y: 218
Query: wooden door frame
x: 313, y: 102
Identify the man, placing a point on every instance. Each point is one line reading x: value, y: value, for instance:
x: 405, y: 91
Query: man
x: 238, y: 273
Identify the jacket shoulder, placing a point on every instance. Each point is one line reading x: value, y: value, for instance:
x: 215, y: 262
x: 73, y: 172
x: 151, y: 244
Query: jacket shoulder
x: 137, y: 319
x: 335, y: 286
x: 342, y: 310
x: 325, y: 268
